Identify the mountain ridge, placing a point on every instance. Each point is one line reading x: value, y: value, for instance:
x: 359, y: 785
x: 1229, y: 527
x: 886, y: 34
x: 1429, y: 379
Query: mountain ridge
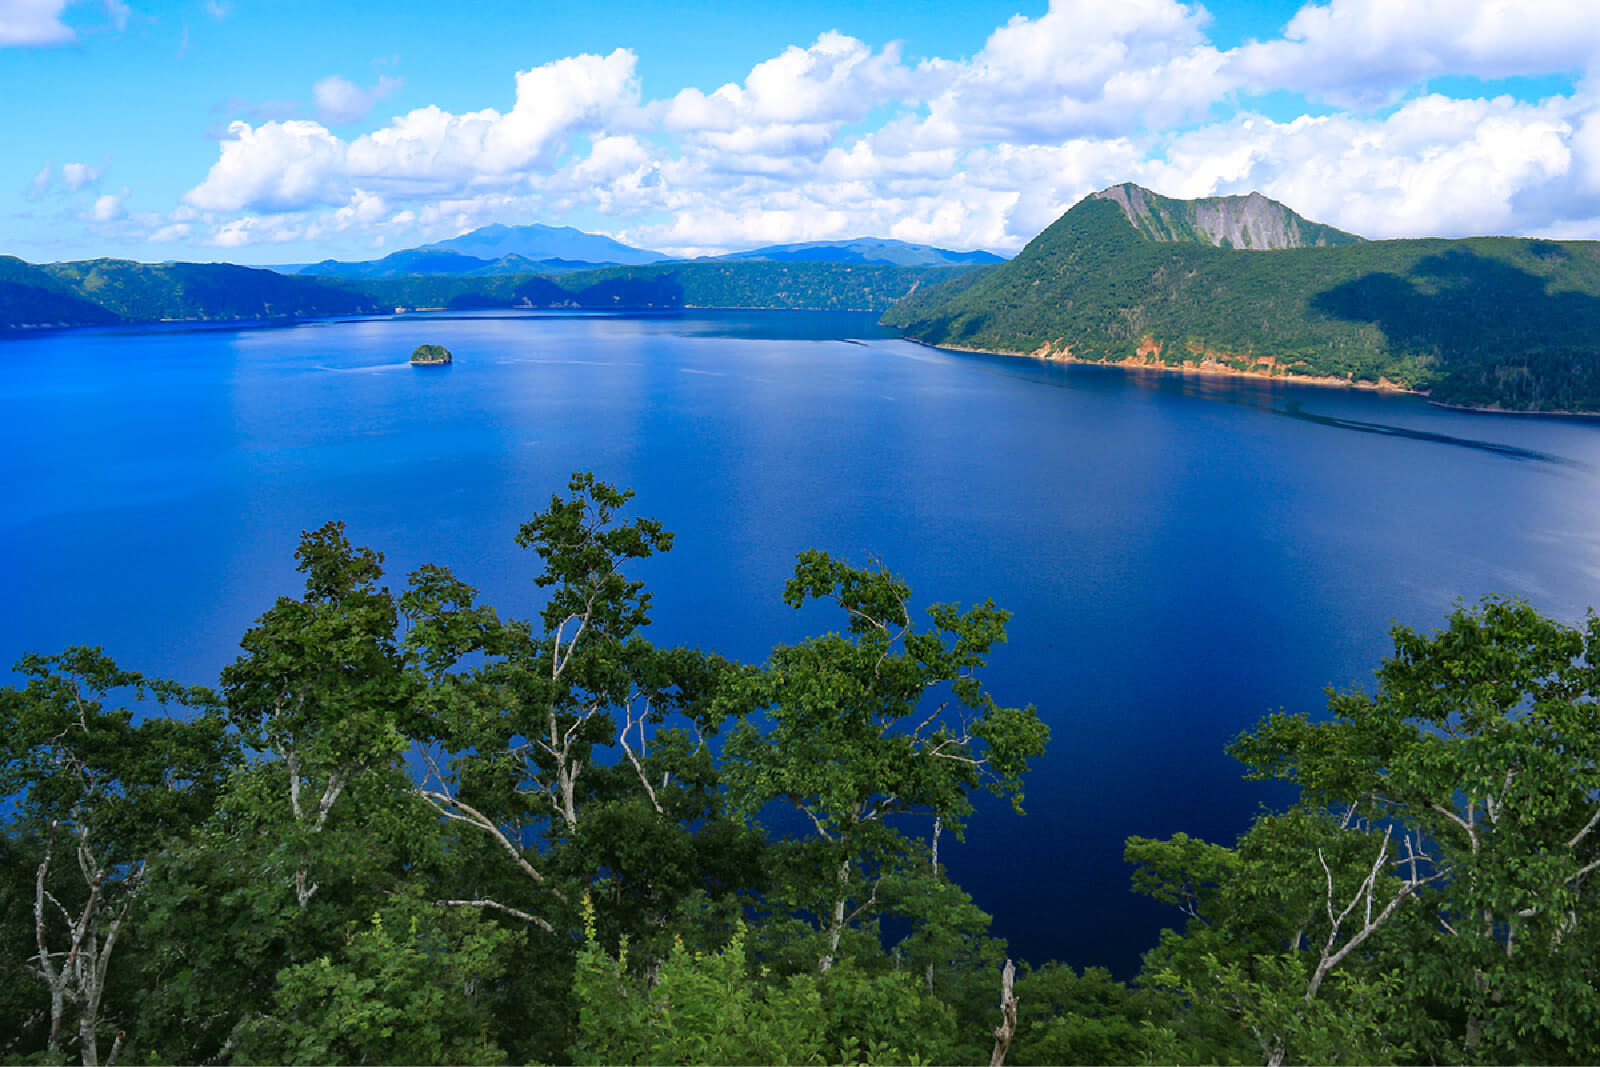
x: 1252, y: 222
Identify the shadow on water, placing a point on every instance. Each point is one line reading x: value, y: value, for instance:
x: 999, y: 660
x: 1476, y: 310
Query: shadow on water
x: 1294, y: 410
x: 1235, y: 391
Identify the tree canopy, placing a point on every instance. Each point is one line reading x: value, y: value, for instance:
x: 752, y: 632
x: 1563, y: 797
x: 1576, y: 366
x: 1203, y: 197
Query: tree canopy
x: 408, y: 827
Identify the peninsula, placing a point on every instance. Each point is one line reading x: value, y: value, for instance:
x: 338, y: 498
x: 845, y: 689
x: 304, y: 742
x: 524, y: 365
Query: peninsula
x: 1244, y: 285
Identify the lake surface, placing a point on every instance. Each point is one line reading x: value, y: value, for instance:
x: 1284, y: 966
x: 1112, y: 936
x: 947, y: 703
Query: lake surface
x: 1182, y: 555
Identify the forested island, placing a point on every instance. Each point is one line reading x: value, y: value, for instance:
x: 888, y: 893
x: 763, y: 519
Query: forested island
x: 431, y: 356
x: 1132, y: 278
x: 405, y: 827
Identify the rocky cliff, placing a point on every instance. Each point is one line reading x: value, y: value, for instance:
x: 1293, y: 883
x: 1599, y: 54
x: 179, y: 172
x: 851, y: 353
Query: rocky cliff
x: 1251, y: 222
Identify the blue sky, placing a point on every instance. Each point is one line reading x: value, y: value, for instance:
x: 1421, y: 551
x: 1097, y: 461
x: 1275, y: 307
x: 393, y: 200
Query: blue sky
x: 290, y: 131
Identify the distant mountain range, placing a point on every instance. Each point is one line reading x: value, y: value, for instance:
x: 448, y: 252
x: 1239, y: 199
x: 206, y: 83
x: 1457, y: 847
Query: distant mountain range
x: 535, y: 249
x: 545, y: 242
x: 1244, y: 285
x: 107, y: 292
x: 865, y: 250
x: 1239, y: 285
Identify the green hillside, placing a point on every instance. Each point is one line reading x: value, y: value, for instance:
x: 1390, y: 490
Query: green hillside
x: 148, y: 292
x: 108, y: 291
x: 749, y: 284
x: 1485, y: 321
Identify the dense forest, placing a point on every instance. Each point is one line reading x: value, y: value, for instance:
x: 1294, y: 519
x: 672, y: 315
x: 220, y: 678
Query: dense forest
x: 1484, y: 321
x: 105, y: 291
x: 404, y: 827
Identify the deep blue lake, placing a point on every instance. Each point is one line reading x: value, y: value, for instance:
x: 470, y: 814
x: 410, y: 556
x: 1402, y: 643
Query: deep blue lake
x: 1181, y: 555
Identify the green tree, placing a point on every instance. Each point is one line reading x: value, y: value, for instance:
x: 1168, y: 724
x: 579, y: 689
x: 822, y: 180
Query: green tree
x: 402, y: 990
x: 1437, y: 873
x: 556, y: 750
x: 860, y: 730
x: 101, y: 794
x: 323, y: 687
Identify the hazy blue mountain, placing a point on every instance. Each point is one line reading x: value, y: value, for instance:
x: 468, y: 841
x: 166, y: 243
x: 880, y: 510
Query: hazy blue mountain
x: 866, y: 250
x: 538, y: 242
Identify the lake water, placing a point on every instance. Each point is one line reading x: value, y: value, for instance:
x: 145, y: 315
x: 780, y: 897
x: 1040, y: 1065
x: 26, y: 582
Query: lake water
x: 1182, y: 555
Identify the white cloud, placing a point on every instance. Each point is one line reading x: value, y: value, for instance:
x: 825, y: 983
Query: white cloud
x: 1435, y: 167
x: 1084, y: 68
x: 34, y: 22
x: 339, y: 101
x: 107, y: 208
x: 297, y: 164
x: 1363, y: 52
x: 978, y: 153
x: 41, y: 182
x: 76, y: 176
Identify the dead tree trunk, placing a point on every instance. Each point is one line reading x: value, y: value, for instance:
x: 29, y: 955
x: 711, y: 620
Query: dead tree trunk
x: 1008, y: 1016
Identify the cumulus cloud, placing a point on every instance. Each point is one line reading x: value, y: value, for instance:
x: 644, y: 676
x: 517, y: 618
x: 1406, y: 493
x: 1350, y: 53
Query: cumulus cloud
x: 1084, y: 68
x: 1435, y: 167
x: 1364, y: 52
x: 983, y: 152
x: 295, y: 164
x: 33, y: 22
x: 339, y: 101
x: 76, y: 176
x: 107, y: 208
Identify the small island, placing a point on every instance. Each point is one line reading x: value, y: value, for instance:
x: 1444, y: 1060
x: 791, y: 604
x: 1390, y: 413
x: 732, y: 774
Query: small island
x: 430, y: 356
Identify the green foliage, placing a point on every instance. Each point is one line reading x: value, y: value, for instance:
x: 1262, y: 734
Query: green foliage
x: 1482, y: 321
x: 430, y: 354
x: 719, y: 1008
x: 1065, y: 1018
x: 753, y: 284
x: 1434, y: 883
x: 124, y: 291
x: 407, y: 829
x: 407, y: 988
x: 845, y: 739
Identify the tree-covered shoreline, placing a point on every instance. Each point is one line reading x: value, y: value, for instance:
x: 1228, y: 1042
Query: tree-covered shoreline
x: 403, y: 827
x: 1479, y: 322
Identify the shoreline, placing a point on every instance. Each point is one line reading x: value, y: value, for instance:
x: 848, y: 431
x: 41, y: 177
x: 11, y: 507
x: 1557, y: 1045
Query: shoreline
x: 1495, y: 410
x: 1208, y: 368
x: 1217, y: 370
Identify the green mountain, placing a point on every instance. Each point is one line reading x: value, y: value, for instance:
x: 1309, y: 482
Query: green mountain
x: 709, y: 284
x: 1141, y: 280
x: 104, y: 291
x: 32, y: 297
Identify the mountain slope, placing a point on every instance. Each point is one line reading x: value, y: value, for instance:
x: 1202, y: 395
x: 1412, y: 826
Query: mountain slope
x: 1498, y: 322
x: 30, y: 296
x: 104, y: 291
x: 536, y: 241
x: 864, y: 250
x: 701, y: 284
